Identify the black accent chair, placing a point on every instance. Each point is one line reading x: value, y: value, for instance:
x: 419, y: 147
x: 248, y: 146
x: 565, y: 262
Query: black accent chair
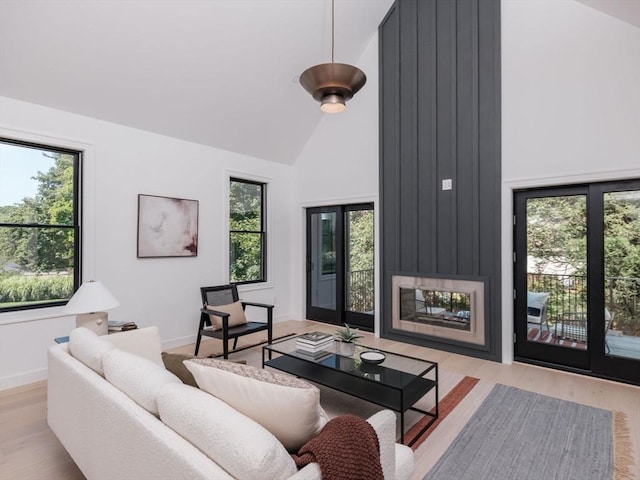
x: 225, y: 295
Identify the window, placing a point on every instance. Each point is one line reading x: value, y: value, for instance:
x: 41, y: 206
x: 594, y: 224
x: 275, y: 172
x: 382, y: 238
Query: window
x: 247, y: 235
x: 39, y: 225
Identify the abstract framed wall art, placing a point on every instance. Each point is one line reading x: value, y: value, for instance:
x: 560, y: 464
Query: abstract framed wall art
x: 167, y: 227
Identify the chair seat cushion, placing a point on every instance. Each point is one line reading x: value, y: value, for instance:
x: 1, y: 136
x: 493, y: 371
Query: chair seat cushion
x: 286, y: 406
x: 235, y: 311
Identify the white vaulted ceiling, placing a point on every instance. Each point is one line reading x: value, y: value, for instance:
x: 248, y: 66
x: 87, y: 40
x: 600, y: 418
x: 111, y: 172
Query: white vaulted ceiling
x: 222, y: 73
x: 218, y: 72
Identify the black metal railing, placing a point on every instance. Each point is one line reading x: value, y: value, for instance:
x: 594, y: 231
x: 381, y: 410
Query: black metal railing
x: 568, y: 299
x: 361, y: 293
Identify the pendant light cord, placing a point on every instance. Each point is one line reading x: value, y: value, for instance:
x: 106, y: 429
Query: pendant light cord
x: 333, y: 29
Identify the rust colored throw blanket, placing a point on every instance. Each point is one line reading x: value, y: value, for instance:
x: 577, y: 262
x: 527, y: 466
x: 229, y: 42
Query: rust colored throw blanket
x: 347, y: 448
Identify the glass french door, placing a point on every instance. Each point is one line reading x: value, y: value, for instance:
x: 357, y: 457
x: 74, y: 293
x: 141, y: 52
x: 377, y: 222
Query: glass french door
x: 577, y: 278
x: 340, y: 265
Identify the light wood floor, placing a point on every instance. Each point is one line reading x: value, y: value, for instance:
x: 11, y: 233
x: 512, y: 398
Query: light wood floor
x: 30, y: 451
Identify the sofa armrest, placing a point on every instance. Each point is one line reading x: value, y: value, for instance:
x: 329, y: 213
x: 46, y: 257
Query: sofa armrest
x: 384, y: 423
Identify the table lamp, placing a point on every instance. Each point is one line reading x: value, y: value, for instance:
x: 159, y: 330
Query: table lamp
x: 89, y: 303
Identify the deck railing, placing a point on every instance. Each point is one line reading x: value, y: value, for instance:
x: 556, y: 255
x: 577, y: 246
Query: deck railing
x: 568, y: 297
x: 361, y: 293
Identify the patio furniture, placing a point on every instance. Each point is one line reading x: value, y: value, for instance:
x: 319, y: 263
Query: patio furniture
x: 574, y: 326
x: 537, y: 308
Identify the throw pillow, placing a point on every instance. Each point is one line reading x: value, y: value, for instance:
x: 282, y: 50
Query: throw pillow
x: 88, y: 348
x: 235, y: 442
x: 286, y: 406
x: 235, y: 311
x: 138, y: 377
x: 174, y: 363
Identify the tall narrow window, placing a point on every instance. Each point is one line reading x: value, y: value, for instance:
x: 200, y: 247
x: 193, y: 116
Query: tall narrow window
x: 39, y: 225
x: 247, y: 231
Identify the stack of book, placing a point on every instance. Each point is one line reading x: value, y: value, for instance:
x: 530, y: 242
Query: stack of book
x: 314, y: 344
x: 121, y: 326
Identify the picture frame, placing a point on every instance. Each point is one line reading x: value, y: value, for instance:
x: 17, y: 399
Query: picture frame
x: 167, y: 227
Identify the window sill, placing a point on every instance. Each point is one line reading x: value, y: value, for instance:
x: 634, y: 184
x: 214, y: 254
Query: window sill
x: 35, y: 315
x: 250, y: 287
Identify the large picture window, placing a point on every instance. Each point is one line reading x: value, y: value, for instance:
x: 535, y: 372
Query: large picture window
x: 39, y: 225
x: 247, y: 231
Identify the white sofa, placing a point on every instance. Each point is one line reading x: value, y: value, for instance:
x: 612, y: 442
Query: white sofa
x: 110, y: 435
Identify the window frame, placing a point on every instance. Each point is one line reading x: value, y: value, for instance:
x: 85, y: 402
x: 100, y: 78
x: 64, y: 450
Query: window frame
x: 262, y: 232
x: 76, y: 224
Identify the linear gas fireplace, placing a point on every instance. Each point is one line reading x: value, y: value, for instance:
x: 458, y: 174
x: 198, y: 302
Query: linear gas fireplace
x: 448, y: 308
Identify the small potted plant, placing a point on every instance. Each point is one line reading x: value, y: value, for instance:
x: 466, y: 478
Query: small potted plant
x: 346, y: 340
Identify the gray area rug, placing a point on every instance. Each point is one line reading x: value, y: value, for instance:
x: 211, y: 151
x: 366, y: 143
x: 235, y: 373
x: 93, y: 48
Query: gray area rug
x: 519, y: 435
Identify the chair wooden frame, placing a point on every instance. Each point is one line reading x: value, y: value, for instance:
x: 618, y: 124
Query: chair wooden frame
x: 227, y: 333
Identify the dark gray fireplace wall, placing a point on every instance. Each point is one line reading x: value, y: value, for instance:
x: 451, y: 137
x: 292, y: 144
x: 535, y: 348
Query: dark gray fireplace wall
x: 440, y: 120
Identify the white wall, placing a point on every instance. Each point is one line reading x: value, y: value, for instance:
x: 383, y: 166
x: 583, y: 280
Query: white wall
x: 339, y: 163
x: 570, y: 106
x: 122, y: 162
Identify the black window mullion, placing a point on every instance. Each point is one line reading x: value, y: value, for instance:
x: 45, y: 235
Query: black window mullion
x: 260, y: 232
x: 32, y: 274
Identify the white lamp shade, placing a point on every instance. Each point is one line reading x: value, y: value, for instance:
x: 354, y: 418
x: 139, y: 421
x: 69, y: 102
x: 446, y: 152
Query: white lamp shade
x: 91, y: 297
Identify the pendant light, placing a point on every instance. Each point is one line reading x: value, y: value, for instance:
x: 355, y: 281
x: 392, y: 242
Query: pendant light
x: 332, y: 84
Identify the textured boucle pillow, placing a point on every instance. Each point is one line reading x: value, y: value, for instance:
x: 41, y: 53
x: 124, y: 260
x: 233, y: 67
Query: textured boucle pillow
x: 286, y: 406
x: 88, y: 348
x: 138, y: 377
x: 235, y: 442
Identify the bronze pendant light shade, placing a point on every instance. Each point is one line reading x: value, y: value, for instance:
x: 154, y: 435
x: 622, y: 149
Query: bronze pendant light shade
x: 332, y: 84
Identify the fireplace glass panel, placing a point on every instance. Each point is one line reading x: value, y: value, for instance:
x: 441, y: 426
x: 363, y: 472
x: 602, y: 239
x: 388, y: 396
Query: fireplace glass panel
x: 436, y: 307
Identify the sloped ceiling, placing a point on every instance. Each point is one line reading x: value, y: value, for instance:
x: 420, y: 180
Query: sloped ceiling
x: 218, y: 72
x: 222, y: 73
x: 625, y: 10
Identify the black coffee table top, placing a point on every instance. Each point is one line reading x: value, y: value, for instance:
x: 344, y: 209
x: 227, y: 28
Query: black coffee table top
x: 396, y: 371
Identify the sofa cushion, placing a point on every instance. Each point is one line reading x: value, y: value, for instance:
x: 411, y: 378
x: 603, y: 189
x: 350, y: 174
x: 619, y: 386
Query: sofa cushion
x: 286, y: 406
x: 144, y: 342
x: 88, y: 348
x: 235, y: 311
x: 138, y: 377
x: 235, y: 442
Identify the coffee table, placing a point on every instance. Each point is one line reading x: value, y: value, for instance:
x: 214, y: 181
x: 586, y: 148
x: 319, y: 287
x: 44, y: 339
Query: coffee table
x: 397, y: 383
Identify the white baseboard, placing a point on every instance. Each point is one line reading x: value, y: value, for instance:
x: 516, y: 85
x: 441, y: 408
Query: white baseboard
x: 23, y: 378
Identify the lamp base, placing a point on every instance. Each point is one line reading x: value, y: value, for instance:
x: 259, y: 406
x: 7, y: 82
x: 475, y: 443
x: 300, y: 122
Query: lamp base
x: 96, y: 321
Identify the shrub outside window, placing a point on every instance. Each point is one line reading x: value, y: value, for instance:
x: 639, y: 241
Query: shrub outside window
x: 247, y: 235
x: 39, y: 225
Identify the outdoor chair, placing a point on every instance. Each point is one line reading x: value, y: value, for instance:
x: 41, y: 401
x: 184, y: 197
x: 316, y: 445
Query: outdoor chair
x: 222, y: 316
x: 537, y: 308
